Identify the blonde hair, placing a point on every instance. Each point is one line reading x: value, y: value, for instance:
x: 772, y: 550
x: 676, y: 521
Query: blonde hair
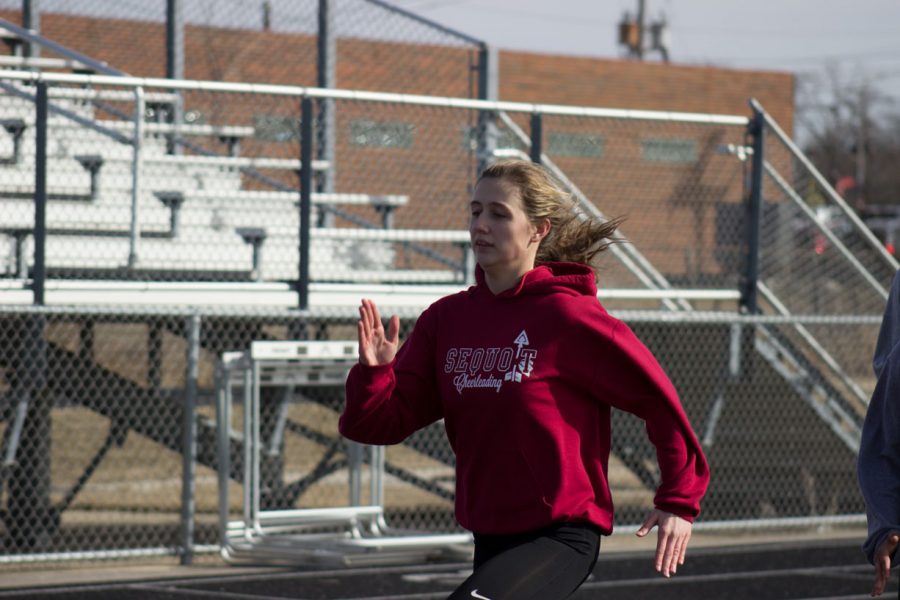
x: 574, y: 236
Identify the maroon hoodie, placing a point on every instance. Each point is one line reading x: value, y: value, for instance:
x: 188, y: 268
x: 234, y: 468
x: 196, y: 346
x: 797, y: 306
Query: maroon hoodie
x: 525, y: 381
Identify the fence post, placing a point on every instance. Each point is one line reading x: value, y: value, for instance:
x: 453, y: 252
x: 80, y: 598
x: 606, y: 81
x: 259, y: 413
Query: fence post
x: 537, y: 134
x: 326, y: 78
x: 31, y: 19
x: 189, y: 440
x: 306, y: 171
x: 40, y: 195
x: 487, y: 120
x: 30, y: 518
x: 175, y: 67
x: 755, y: 130
x: 134, y: 231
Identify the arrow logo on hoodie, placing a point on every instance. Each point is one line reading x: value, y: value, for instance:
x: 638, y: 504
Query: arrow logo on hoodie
x: 524, y: 361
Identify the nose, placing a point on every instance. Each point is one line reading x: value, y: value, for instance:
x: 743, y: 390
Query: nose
x: 477, y: 224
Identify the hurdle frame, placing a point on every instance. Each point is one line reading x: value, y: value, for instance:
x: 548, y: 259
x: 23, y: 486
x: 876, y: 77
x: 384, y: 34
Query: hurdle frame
x: 357, y: 533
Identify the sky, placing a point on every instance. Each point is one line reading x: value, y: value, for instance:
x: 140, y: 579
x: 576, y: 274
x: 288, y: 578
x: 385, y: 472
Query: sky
x: 857, y: 41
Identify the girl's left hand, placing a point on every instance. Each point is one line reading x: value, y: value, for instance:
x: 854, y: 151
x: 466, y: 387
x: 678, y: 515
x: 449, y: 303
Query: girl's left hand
x: 671, y: 544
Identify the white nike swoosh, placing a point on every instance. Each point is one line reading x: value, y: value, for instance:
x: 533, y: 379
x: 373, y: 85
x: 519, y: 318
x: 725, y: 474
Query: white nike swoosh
x: 475, y: 594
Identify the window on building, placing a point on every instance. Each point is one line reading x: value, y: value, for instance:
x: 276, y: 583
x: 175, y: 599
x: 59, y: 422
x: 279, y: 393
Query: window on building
x: 669, y: 150
x: 586, y: 145
x: 275, y: 128
x: 505, y: 139
x: 381, y: 134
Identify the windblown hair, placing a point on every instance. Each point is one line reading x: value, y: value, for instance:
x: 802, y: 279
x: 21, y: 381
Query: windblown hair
x: 574, y: 236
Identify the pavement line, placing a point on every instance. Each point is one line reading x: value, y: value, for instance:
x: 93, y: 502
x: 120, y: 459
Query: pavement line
x: 198, y: 593
x: 817, y: 571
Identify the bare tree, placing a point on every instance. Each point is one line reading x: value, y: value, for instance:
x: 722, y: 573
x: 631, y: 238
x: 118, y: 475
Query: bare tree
x: 851, y: 131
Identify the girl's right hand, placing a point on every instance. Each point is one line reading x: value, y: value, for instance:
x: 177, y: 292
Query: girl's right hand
x: 376, y: 348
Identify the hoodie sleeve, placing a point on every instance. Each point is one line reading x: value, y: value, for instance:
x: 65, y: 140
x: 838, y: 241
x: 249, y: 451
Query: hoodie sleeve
x: 878, y: 465
x: 638, y: 385
x: 386, y: 404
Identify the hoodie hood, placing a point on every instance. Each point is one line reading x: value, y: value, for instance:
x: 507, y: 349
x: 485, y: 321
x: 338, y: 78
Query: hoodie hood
x: 574, y: 279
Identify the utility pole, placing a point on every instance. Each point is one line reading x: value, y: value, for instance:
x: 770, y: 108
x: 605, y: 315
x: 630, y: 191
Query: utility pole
x: 639, y: 50
x: 633, y: 34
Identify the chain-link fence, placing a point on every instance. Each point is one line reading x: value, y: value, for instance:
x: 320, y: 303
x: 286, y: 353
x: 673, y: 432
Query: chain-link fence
x: 97, y: 401
x: 349, y: 44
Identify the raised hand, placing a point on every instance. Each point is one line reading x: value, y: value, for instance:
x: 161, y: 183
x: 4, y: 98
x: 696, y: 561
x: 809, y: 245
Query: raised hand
x: 376, y: 347
x: 672, y: 540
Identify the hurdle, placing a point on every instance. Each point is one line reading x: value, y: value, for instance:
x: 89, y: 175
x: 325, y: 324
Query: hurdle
x: 355, y: 534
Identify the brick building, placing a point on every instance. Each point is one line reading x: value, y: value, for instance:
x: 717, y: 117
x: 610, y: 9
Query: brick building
x: 663, y: 177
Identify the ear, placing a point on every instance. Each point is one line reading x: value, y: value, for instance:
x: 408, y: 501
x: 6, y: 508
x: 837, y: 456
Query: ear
x: 541, y: 231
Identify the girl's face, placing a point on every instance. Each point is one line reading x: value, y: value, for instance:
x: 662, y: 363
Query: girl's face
x: 504, y: 241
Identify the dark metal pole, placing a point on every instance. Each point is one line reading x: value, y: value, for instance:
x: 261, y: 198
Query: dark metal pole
x: 326, y: 77
x: 31, y: 520
x: 537, y: 133
x: 40, y: 195
x: 174, y: 39
x: 640, y: 24
x: 306, y: 176
x: 31, y: 19
x: 756, y: 130
x: 189, y: 441
x: 175, y: 65
x: 487, y: 119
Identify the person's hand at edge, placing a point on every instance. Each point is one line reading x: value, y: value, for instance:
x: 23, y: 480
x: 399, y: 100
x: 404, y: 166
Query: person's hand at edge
x: 671, y: 544
x: 375, y: 346
x: 883, y: 561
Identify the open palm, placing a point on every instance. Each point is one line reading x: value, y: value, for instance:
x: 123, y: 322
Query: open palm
x: 376, y: 347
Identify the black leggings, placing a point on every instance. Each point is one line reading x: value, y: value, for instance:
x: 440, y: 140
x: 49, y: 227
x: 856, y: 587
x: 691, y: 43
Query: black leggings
x: 546, y: 564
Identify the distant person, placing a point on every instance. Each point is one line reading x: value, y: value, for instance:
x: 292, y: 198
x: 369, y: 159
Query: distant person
x: 524, y: 368
x: 878, y: 466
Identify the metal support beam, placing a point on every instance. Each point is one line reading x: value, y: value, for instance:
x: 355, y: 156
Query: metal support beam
x: 306, y: 176
x: 175, y: 65
x: 326, y: 77
x: 488, y: 74
x: 40, y: 195
x: 34, y: 521
x: 31, y: 19
x: 174, y: 39
x: 756, y: 131
x: 189, y: 440
x: 537, y: 134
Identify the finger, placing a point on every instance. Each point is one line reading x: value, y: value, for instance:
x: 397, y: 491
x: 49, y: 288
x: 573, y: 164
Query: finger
x: 394, y: 329
x: 363, y: 343
x: 682, y: 550
x: 364, y: 314
x: 882, y: 572
x: 376, y: 316
x: 647, y: 525
x: 663, y: 553
x: 670, y: 559
x: 678, y: 554
x: 366, y: 310
x: 363, y: 318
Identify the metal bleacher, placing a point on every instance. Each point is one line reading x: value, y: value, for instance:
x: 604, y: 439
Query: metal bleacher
x: 187, y: 195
